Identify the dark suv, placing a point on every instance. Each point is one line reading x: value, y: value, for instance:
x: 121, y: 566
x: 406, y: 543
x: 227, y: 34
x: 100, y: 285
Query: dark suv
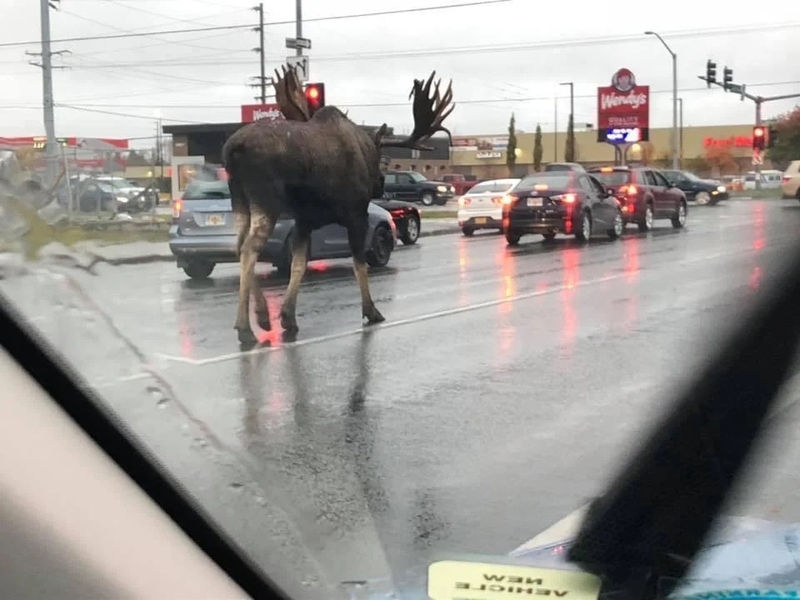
x: 645, y: 195
x: 413, y: 187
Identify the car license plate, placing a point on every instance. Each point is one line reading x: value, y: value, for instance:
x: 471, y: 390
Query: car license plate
x: 534, y: 201
x: 480, y: 221
x: 214, y: 220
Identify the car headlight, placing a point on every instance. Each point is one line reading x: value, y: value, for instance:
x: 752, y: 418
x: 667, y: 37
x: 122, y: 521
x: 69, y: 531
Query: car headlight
x: 122, y: 199
x: 721, y: 188
x: 441, y: 188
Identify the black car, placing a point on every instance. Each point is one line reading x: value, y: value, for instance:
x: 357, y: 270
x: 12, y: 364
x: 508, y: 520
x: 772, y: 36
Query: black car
x: 702, y: 191
x: 414, y: 187
x: 563, y: 166
x: 406, y: 218
x: 568, y: 202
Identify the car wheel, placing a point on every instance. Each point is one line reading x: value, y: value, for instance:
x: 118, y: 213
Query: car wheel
x: 512, y: 237
x: 199, y: 269
x: 467, y: 231
x: 619, y: 226
x: 679, y: 220
x: 550, y: 235
x: 410, y: 233
x: 585, y: 231
x: 646, y: 222
x: 427, y: 199
x: 381, y: 248
x: 702, y: 198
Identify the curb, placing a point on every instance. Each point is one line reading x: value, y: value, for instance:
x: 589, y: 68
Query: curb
x: 443, y: 231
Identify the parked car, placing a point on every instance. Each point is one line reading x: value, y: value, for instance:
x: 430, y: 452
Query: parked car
x: 644, y: 194
x: 569, y: 202
x: 482, y: 206
x: 770, y: 179
x: 139, y: 197
x: 702, y: 191
x: 203, y: 235
x: 406, y: 218
x: 414, y: 187
x: 790, y: 182
x: 459, y: 182
x: 563, y: 166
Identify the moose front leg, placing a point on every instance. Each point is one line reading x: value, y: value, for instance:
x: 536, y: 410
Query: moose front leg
x: 261, y: 226
x: 300, y: 241
x: 357, y: 237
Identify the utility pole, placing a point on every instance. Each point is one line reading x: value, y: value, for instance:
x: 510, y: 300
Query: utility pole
x: 571, y: 133
x: 674, y: 134
x: 759, y: 100
x: 298, y: 25
x: 51, y: 146
x: 680, y: 133
x: 555, y: 134
x: 262, y: 79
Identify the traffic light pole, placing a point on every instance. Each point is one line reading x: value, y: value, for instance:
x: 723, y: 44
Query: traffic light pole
x: 759, y: 100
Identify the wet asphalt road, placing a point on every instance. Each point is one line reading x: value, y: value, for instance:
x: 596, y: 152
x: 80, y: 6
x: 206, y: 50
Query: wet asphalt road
x: 501, y: 392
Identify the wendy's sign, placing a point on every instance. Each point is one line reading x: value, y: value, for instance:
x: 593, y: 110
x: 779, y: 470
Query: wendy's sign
x: 255, y: 112
x: 623, y: 104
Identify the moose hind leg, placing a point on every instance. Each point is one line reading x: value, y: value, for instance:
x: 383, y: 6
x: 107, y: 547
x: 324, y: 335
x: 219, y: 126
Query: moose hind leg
x: 261, y: 226
x: 300, y: 240
x: 357, y: 237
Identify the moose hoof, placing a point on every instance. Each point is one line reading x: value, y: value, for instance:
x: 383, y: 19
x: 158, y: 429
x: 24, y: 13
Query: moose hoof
x: 289, y: 323
x: 373, y: 315
x: 246, y: 337
x: 263, y: 321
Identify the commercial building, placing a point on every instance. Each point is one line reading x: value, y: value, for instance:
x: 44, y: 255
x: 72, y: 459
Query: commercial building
x: 723, y: 149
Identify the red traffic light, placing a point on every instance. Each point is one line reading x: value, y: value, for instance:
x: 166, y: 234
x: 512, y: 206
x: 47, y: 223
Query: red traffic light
x: 315, y: 95
x: 758, y: 132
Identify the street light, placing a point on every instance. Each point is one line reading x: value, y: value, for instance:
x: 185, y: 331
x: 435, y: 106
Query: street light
x: 571, y: 115
x: 674, y: 137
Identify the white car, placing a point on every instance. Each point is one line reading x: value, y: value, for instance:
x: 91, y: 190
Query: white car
x: 482, y: 206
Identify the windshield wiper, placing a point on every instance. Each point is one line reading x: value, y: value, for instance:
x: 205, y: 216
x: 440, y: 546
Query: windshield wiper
x: 655, y: 516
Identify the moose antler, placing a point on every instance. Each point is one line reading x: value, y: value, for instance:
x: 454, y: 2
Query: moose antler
x: 289, y: 95
x: 429, y: 113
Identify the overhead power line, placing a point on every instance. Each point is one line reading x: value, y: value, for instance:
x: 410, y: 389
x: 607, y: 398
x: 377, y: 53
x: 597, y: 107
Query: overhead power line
x: 250, y: 26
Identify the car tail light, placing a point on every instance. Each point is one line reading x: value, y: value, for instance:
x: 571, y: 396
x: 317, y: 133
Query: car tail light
x: 508, y: 199
x: 568, y: 198
x: 464, y: 201
x: 497, y: 200
x: 630, y: 190
x: 177, y: 208
x: 786, y: 178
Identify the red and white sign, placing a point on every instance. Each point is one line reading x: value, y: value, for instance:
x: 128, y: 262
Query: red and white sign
x: 623, y: 103
x: 254, y: 112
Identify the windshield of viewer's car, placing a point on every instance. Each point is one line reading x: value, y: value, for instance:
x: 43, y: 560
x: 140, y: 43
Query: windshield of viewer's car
x: 206, y: 190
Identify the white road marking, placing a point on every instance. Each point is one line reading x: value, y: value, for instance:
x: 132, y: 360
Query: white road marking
x: 437, y: 314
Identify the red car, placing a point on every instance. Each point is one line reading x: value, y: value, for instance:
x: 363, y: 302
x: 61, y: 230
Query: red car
x: 645, y: 195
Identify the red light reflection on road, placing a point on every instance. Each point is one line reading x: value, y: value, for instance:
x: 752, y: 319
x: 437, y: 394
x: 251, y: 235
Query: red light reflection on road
x: 755, y: 278
x: 630, y: 263
x: 758, y: 227
x: 185, y: 337
x: 463, y: 270
x: 570, y: 263
x: 508, y: 283
x: 275, y: 336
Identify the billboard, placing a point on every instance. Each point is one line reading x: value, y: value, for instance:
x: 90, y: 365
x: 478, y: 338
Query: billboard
x: 623, y: 110
x: 254, y: 112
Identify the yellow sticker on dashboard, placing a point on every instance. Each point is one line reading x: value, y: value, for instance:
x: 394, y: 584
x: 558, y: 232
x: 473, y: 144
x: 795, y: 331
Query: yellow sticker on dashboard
x: 462, y: 580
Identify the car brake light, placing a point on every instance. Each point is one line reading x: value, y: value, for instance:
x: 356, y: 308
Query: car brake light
x: 177, y: 208
x: 497, y: 200
x: 508, y: 199
x: 568, y: 198
x: 607, y: 169
x: 463, y: 201
x: 540, y: 186
x: 629, y: 189
x: 787, y: 178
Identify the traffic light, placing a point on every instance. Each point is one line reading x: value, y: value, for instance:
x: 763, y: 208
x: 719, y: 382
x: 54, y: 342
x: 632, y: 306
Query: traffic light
x: 727, y: 78
x: 772, y: 137
x: 315, y: 96
x: 711, y: 72
x: 759, y: 133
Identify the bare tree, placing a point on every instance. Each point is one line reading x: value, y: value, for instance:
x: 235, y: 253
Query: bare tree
x: 321, y: 168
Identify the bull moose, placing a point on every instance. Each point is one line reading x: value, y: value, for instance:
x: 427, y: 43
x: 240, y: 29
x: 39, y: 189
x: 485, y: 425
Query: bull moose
x: 320, y: 168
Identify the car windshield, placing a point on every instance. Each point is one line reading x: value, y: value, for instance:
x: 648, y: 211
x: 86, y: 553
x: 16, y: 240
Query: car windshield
x: 206, y: 190
x: 616, y: 177
x: 491, y: 186
x: 557, y: 180
x: 417, y: 176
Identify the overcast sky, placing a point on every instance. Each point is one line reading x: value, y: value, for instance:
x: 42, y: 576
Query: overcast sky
x: 503, y: 56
